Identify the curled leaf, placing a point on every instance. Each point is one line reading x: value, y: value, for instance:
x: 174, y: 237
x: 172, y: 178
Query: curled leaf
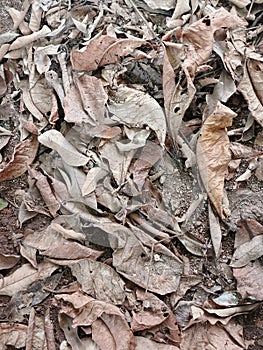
x: 213, y: 155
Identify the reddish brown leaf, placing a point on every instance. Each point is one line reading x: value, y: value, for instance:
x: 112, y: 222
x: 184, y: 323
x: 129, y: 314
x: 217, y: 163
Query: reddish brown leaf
x: 24, y: 155
x: 213, y: 155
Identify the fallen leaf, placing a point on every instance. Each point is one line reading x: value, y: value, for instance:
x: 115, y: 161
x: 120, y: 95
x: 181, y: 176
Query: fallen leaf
x: 8, y: 260
x: 36, y: 333
x: 55, y: 140
x: 46, y: 191
x: 100, y: 281
x: 250, y: 280
x: 206, y: 336
x: 93, y: 96
x: 28, y: 39
x: 108, y: 325
x: 13, y: 334
x: 57, y: 242
x: 251, y: 88
x: 24, y: 154
x: 101, y: 51
x: 247, y: 252
x: 25, y: 275
x: 143, y: 110
x: 142, y: 343
x: 93, y: 177
x: 161, y: 4
x: 215, y: 231
x: 213, y: 155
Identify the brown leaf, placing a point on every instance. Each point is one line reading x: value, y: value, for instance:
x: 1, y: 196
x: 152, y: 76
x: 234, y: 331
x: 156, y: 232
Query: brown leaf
x: 143, y: 110
x: 101, y: 51
x: 55, y: 140
x: 247, y: 252
x: 24, y: 155
x: 88, y: 59
x: 251, y: 88
x: 74, y: 112
x: 213, y: 155
x: 93, y: 96
x: 46, y: 191
x: 100, y: 281
x: 142, y: 343
x: 215, y: 231
x: 57, y: 242
x: 36, y: 333
x: 13, y: 335
x: 7, y: 261
x: 25, y: 275
x: 109, y: 328
x: 250, y: 280
x: 241, y: 151
x: 206, y: 336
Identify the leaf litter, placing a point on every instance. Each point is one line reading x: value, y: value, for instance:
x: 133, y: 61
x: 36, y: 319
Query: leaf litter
x: 128, y: 128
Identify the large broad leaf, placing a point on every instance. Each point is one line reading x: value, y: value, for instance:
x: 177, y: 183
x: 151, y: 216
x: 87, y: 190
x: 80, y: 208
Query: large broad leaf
x: 251, y: 88
x: 24, y: 155
x: 55, y: 140
x: 248, y: 251
x: 24, y: 276
x: 250, y: 280
x: 213, y: 155
x: 135, y: 108
x: 99, y: 280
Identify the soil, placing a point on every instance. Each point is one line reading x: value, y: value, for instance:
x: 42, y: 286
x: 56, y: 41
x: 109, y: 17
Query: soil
x: 11, y: 232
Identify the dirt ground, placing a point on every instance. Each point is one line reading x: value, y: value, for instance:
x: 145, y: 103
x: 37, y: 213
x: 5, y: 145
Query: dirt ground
x: 11, y: 233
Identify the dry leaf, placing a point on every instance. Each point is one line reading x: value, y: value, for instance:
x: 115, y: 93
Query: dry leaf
x: 143, y: 110
x: 247, y: 252
x: 24, y: 155
x: 36, y: 333
x: 21, y: 278
x: 161, y: 4
x: 213, y: 155
x: 250, y: 280
x: 251, y: 88
x: 55, y: 140
x: 93, y: 96
x: 215, y: 231
x: 93, y: 177
x: 100, y: 281
x: 142, y: 343
x: 28, y: 39
x: 46, y: 191
x: 8, y: 260
x: 74, y: 112
x: 101, y: 51
x: 12, y: 335
x: 206, y: 336
x: 109, y: 328
x: 56, y: 242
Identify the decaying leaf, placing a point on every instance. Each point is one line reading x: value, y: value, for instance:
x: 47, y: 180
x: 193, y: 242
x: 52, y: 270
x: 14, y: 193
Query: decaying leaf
x: 250, y: 86
x: 55, y: 140
x: 250, y: 280
x: 93, y: 96
x: 24, y: 155
x: 247, y: 252
x: 13, y: 334
x: 213, y: 155
x: 143, y: 110
x: 100, y: 281
x: 206, y: 336
x: 57, y: 242
x: 101, y: 51
x: 8, y: 260
x: 25, y: 275
x: 142, y: 343
x: 108, y: 326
